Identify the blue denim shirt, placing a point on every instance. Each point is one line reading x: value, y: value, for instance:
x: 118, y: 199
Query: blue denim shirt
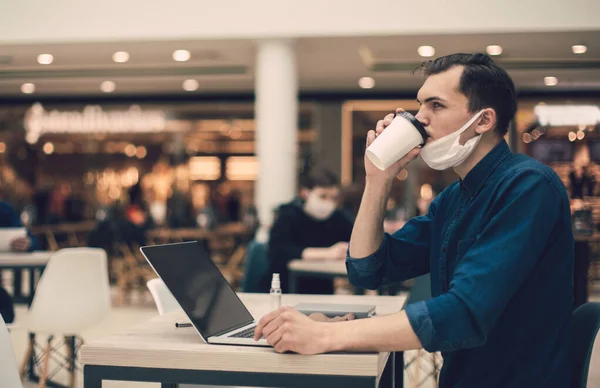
x: 500, y: 251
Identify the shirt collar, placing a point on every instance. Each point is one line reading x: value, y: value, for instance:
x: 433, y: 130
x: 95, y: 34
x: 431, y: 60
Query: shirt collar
x: 482, y: 170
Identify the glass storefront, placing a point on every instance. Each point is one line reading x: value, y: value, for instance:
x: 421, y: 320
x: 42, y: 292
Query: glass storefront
x: 67, y: 161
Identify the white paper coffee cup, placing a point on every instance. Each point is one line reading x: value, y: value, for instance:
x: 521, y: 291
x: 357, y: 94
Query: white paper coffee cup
x: 403, y: 134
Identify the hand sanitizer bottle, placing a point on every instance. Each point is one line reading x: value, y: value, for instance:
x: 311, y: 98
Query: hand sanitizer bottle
x: 275, y: 292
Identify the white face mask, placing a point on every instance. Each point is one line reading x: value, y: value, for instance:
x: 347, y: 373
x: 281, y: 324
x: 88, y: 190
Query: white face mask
x: 317, y: 208
x: 447, y: 152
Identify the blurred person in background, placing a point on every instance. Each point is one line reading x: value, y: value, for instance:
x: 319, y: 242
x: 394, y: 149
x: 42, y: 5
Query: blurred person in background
x: 309, y: 228
x: 136, y: 219
x: 498, y: 245
x: 581, y: 180
x: 9, y: 218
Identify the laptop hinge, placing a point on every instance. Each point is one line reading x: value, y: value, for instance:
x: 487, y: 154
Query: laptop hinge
x: 232, y: 329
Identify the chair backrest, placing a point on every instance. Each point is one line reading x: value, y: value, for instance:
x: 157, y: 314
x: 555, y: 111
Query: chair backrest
x: 165, y: 301
x: 73, y: 292
x: 9, y: 374
x: 586, y: 322
x: 256, y: 266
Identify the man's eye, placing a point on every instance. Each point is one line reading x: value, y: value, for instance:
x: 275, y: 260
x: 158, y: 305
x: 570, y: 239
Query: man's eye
x: 437, y: 105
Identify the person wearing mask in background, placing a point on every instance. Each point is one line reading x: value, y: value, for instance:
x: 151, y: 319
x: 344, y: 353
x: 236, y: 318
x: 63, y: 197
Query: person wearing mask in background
x: 310, y: 228
x: 9, y: 218
x: 498, y: 245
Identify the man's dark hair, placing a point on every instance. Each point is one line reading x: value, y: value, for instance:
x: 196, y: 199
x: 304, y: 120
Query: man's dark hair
x: 485, y: 84
x: 319, y: 177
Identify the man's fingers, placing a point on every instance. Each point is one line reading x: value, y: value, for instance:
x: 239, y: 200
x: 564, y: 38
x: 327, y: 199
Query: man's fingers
x: 274, y: 338
x: 388, y: 119
x: 272, y: 326
x: 283, y: 344
x: 264, y: 321
x: 379, y: 127
x: 370, y: 137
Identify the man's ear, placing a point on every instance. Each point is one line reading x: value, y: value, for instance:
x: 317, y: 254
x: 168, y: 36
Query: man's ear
x: 304, y: 193
x: 486, y: 122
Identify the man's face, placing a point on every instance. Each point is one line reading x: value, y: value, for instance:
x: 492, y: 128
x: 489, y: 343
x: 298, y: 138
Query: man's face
x: 443, y: 108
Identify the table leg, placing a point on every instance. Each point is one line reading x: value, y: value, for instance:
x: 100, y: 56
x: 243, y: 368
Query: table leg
x: 31, y: 286
x: 90, y: 378
x: 387, y: 377
x: 31, y: 373
x: 293, y: 279
x: 17, y: 296
x: 398, y: 369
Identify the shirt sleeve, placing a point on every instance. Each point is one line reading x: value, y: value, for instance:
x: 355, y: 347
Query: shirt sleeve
x: 402, y: 255
x: 493, y: 267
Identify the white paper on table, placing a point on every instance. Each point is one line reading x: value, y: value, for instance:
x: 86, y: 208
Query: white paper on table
x: 7, y: 235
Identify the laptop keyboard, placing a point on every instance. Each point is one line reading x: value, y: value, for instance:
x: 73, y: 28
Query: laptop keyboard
x: 248, y: 333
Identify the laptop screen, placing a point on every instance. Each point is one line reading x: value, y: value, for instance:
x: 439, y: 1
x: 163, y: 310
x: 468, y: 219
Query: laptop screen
x: 197, y: 284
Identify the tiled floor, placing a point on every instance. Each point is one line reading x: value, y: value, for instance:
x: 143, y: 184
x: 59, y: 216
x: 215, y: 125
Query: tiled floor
x: 121, y: 317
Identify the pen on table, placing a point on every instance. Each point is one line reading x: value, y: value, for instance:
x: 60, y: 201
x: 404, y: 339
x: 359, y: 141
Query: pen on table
x: 178, y: 324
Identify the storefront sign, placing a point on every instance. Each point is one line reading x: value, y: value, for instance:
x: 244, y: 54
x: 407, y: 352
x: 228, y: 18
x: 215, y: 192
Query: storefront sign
x: 558, y: 115
x: 91, y: 120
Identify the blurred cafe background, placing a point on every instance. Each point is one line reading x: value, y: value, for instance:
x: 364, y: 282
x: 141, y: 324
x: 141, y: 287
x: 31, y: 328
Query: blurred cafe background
x: 129, y: 123
x: 204, y: 138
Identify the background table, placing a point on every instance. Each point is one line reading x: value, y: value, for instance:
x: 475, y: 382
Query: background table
x: 156, y: 351
x: 34, y: 262
x: 316, y: 269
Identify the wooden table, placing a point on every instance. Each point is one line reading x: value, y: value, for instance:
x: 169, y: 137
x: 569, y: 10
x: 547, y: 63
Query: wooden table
x: 33, y: 261
x: 156, y: 351
x: 316, y: 269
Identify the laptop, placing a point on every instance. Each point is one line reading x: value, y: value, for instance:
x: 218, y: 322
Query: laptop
x: 214, y: 309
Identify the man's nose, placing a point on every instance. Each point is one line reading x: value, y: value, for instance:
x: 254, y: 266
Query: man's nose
x: 422, y: 118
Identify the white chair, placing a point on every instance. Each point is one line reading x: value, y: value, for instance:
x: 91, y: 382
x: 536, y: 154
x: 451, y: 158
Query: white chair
x: 9, y: 374
x: 165, y: 301
x: 72, y: 295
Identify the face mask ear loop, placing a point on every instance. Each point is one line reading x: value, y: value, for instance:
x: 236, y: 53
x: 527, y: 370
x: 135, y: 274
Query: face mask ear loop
x: 471, y: 121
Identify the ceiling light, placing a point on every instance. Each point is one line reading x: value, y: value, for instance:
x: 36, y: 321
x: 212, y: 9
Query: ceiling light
x: 579, y: 49
x: 426, y: 192
x: 45, y: 59
x: 190, y: 85
x: 108, y: 86
x: 402, y: 175
x: 141, y: 152
x: 48, y: 148
x: 572, y: 136
x: 580, y: 135
x: 426, y: 51
x: 550, y: 81
x: 120, y: 56
x: 366, y: 82
x: 494, y: 49
x: 130, y: 150
x: 28, y: 88
x: 181, y: 55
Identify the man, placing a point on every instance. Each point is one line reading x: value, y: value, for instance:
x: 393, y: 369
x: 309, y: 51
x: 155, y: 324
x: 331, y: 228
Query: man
x: 9, y: 218
x: 497, y: 243
x: 310, y: 229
